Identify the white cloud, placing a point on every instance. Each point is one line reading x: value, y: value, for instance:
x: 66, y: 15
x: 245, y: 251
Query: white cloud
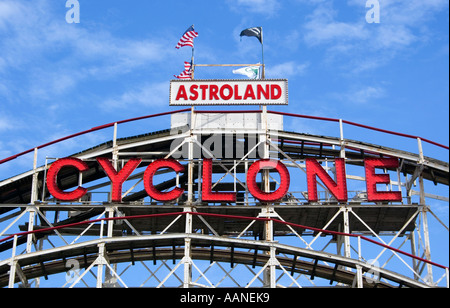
x: 366, y: 94
x: 322, y: 28
x: 50, y: 52
x: 54, y: 71
x: 5, y: 123
x: 402, y: 26
x: 8, y: 9
x: 153, y: 95
x: 264, y: 7
x: 360, y: 95
x: 286, y: 70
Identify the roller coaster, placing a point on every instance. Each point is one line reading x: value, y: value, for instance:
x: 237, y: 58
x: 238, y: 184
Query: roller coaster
x: 190, y: 241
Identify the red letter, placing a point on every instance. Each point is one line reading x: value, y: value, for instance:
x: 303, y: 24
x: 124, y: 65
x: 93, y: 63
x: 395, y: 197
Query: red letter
x: 260, y: 90
x: 148, y: 180
x: 249, y: 93
x: 207, y: 194
x: 52, y: 174
x: 372, y: 179
x: 204, y: 87
x: 230, y: 92
x: 194, y: 92
x: 338, y: 190
x: 236, y: 93
x: 213, y: 90
x: 118, y: 178
x: 256, y: 192
x: 182, y: 93
x: 272, y: 91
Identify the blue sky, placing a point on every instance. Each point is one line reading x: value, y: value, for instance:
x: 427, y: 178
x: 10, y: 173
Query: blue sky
x: 57, y: 78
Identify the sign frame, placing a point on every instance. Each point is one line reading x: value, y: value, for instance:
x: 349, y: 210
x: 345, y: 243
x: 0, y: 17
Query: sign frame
x: 229, y: 92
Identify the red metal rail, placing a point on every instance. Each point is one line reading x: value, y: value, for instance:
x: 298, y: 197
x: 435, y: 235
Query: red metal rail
x: 360, y: 125
x: 217, y: 111
x: 227, y: 217
x: 90, y: 131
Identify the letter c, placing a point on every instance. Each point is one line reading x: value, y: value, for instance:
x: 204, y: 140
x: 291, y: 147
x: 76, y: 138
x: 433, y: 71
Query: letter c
x: 148, y: 180
x: 52, y: 174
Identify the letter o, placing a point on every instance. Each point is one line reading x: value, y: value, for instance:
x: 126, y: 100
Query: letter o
x: 284, y: 180
x: 230, y: 92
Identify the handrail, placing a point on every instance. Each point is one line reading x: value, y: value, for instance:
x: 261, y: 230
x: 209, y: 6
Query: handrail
x: 360, y: 125
x: 228, y: 217
x: 90, y: 131
x: 97, y: 128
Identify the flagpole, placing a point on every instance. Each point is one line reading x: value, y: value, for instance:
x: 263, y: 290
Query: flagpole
x: 263, y: 71
x: 192, y: 63
x: 192, y: 59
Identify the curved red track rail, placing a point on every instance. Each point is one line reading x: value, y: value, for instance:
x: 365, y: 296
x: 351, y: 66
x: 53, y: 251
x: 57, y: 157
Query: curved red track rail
x: 228, y: 217
x: 360, y: 125
x: 97, y: 128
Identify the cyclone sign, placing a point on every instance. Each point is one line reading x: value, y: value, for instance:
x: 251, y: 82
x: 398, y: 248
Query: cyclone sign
x: 314, y: 171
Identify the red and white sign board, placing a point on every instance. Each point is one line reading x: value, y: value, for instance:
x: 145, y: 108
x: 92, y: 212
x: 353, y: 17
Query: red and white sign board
x: 228, y: 92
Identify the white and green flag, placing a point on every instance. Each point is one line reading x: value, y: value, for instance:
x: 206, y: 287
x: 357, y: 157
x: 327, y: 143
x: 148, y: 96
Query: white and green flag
x: 250, y: 72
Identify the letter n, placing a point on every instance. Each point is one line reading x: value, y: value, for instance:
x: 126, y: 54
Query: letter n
x: 338, y: 189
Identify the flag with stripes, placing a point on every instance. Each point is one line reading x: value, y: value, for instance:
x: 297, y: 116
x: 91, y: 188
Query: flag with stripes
x: 255, y: 31
x: 187, y: 74
x: 188, y: 38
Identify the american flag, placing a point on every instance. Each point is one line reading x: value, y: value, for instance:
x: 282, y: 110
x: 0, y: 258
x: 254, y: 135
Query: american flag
x: 188, y: 38
x: 187, y: 74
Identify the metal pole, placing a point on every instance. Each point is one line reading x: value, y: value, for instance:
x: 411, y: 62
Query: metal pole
x: 31, y: 217
x: 426, y: 236
x: 226, y: 65
x: 341, y: 132
x: 115, y: 153
x: 100, y: 264
x: 347, y: 248
x: 359, y: 277
x: 13, y: 265
x: 191, y: 159
x: 263, y: 72
x: 415, y: 266
x: 187, y: 250
x: 446, y: 274
x: 188, y: 225
x: 34, y: 188
x: 192, y: 63
x: 268, y: 210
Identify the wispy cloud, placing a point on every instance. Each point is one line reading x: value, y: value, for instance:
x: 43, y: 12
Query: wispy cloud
x: 362, y: 95
x: 402, y: 26
x: 323, y: 28
x: 57, y: 71
x: 51, y: 52
x: 289, y: 69
x: 153, y: 95
x: 263, y: 7
x: 5, y: 123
